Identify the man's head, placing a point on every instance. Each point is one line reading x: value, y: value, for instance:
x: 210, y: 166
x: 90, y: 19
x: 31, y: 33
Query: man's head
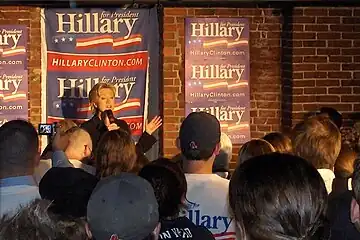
x: 102, y: 97
x: 200, y: 136
x: 80, y: 144
x: 317, y: 140
x: 169, y: 183
x: 254, y: 148
x: 123, y: 207
x: 333, y: 114
x: 222, y: 160
x: 19, y: 149
x: 70, y: 194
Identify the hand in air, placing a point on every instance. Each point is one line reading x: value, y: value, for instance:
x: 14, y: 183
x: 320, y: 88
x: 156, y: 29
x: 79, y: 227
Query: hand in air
x: 60, y: 142
x: 153, y: 125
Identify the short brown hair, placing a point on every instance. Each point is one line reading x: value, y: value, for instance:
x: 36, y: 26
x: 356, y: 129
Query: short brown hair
x: 318, y: 140
x: 115, y: 153
x: 279, y: 141
x: 94, y: 92
x: 344, y: 165
x: 254, y: 148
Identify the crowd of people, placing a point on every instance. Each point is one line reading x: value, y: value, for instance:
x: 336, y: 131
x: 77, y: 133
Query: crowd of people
x: 94, y: 182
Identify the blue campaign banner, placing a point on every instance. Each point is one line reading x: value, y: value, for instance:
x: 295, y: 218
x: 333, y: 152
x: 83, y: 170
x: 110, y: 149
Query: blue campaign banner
x: 87, y: 46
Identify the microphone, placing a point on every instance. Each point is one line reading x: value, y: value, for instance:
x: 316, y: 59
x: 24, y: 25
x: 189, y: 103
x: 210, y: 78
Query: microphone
x: 110, y: 115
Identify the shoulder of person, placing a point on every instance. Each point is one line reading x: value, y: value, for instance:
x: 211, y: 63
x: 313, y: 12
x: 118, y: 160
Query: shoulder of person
x: 201, y: 232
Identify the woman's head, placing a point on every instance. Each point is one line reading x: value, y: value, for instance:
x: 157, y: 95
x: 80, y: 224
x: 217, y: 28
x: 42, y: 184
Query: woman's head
x: 344, y: 165
x: 278, y: 196
x: 253, y: 148
x: 279, y: 141
x: 169, y: 183
x: 115, y: 153
x: 102, y: 97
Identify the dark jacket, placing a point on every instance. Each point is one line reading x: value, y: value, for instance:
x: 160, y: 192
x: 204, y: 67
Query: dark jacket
x: 96, y: 128
x: 339, y: 216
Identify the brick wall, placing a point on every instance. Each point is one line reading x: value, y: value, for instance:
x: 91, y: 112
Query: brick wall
x: 326, y: 60
x: 318, y: 64
x: 31, y: 18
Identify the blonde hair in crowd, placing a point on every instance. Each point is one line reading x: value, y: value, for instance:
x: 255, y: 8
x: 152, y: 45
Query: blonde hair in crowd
x: 94, y: 93
x: 318, y: 140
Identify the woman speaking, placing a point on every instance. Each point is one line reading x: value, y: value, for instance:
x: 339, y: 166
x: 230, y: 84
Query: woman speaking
x: 102, y: 99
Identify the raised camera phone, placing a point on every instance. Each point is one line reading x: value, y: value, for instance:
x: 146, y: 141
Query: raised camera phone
x: 46, y: 129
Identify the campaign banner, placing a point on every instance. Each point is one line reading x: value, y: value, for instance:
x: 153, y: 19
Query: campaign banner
x: 87, y: 46
x: 13, y: 73
x: 217, y: 72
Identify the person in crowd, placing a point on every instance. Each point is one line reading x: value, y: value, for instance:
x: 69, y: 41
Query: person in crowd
x: 222, y: 160
x: 344, y: 168
x: 115, y: 154
x: 101, y: 98
x: 253, y: 148
x: 77, y: 152
x: 123, y: 207
x: 343, y: 211
x: 333, y: 114
x: 70, y: 194
x: 19, y: 156
x: 169, y: 183
x: 279, y: 141
x: 62, y: 127
x: 278, y: 196
x: 207, y: 192
x: 318, y: 140
x: 36, y: 221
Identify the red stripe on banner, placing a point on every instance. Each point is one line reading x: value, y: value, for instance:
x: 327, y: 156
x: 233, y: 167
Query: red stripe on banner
x: 68, y: 62
x: 93, y: 38
x: 135, y: 123
x: 224, y: 234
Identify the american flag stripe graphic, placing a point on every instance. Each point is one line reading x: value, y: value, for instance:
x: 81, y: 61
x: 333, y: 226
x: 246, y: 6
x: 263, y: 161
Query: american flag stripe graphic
x: 85, y: 43
x: 9, y: 52
x: 130, y: 104
x: 13, y: 97
x: 216, y: 85
x: 216, y: 43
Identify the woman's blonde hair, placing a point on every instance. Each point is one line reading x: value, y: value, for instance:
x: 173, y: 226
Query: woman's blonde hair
x: 95, y: 90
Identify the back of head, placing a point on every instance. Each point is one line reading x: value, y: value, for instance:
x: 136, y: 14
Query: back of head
x: 344, y: 165
x: 278, y: 196
x: 199, y: 136
x: 124, y: 207
x: 169, y: 183
x: 65, y: 125
x: 253, y: 148
x: 222, y: 161
x: 19, y: 146
x: 70, y: 194
x: 78, y: 137
x: 279, y: 141
x: 333, y: 114
x: 37, y: 222
x: 115, y: 153
x: 317, y: 140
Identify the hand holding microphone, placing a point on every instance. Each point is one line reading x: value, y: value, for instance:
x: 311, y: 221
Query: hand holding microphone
x: 109, y: 120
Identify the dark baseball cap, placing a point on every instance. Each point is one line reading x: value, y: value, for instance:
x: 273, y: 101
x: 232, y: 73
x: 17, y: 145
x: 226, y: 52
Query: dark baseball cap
x: 199, y: 134
x: 122, y: 207
x: 69, y: 189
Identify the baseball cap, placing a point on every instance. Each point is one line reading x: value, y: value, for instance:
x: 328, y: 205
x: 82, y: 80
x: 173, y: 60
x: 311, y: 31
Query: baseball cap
x: 69, y: 189
x: 199, y: 134
x: 122, y: 207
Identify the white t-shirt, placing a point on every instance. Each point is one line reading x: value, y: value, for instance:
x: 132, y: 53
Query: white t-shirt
x: 208, y: 207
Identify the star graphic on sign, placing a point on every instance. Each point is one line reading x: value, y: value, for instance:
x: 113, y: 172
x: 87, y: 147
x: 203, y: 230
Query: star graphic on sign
x: 56, y: 40
x: 63, y: 39
x: 71, y: 38
x: 57, y: 105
